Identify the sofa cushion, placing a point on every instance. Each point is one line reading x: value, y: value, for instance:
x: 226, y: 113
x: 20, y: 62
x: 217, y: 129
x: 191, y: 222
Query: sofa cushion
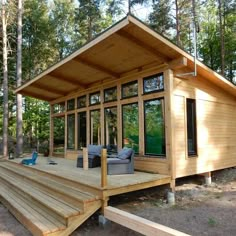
x: 125, y: 153
x: 95, y: 149
x: 115, y: 160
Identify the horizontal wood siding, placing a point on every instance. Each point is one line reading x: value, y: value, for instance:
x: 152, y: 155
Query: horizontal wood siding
x: 151, y: 165
x: 216, y: 127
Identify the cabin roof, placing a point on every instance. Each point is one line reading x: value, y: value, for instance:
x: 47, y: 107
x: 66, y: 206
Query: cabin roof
x: 126, y: 47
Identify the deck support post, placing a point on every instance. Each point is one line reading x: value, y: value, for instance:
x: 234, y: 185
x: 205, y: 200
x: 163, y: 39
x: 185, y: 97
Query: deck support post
x: 103, y: 221
x: 171, y: 198
x: 172, y: 185
x: 85, y: 158
x: 207, y: 177
x: 104, y: 168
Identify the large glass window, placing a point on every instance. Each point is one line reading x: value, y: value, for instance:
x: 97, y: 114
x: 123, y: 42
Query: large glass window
x: 71, y: 131
x: 191, y: 127
x: 130, y: 89
x: 153, y: 83
x: 154, y: 124
x: 95, y: 127
x: 111, y: 127
x: 130, y: 126
x: 82, y: 130
x: 110, y: 94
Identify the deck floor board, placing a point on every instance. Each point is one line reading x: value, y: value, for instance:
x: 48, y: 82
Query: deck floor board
x: 92, y: 177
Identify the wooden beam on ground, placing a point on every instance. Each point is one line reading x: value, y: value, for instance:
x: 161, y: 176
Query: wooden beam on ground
x: 139, y: 224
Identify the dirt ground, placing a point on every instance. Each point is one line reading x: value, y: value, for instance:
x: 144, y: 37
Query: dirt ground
x: 199, y: 209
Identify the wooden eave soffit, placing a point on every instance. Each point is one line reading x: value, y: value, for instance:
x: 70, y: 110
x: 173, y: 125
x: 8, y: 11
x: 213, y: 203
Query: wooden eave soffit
x: 49, y: 89
x: 67, y: 80
x: 97, y: 67
x: 161, y: 57
x: 42, y: 97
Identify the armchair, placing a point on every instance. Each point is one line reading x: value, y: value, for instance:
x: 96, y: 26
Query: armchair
x: 123, y: 163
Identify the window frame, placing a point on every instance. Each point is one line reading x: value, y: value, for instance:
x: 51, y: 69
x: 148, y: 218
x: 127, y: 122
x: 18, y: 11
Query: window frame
x: 78, y: 131
x: 90, y: 125
x: 151, y: 77
x: 91, y: 94
x: 67, y: 141
x: 104, y: 92
x: 67, y: 107
x: 81, y: 97
x: 127, y: 84
x: 105, y: 120
x: 193, y: 118
x: 122, y: 123
x: 145, y: 138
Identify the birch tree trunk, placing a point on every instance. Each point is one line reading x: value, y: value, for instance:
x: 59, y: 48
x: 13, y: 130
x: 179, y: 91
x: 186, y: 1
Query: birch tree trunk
x: 19, y: 121
x: 222, y: 38
x: 5, y: 82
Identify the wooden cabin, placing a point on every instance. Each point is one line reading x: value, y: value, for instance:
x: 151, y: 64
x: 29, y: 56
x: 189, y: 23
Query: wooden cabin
x: 132, y: 87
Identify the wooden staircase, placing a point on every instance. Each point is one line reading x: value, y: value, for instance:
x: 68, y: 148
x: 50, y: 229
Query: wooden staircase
x: 43, y: 203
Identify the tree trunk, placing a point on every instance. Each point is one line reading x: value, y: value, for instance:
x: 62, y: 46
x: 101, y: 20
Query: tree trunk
x: 19, y: 134
x: 5, y: 82
x: 222, y: 38
x: 178, y: 41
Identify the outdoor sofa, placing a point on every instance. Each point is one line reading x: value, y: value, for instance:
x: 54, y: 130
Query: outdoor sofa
x: 94, y: 156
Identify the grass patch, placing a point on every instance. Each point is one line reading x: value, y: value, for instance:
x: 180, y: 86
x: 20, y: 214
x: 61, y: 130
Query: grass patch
x: 212, y: 222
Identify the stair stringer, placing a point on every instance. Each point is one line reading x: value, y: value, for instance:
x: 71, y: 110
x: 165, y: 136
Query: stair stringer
x: 75, y: 221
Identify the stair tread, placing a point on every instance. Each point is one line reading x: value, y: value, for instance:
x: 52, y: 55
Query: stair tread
x: 85, y: 197
x: 18, y: 204
x: 57, y: 205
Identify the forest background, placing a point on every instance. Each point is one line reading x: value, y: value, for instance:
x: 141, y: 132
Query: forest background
x: 53, y: 29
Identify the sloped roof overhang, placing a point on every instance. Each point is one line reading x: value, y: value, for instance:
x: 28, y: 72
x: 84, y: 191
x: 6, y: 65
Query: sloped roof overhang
x: 127, y: 46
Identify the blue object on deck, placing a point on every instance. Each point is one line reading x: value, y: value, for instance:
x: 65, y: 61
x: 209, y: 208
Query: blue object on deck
x: 31, y: 161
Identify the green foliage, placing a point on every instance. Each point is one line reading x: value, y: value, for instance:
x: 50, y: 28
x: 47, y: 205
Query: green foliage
x: 160, y: 19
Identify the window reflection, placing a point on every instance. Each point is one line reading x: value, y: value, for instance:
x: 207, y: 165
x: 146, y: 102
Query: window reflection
x: 110, y: 94
x: 95, y: 127
x: 130, y: 126
x: 130, y: 89
x: 94, y: 98
x: 153, y: 83
x: 154, y: 127
x: 71, y: 131
x: 82, y: 130
x: 111, y: 127
x: 81, y: 102
x: 71, y: 104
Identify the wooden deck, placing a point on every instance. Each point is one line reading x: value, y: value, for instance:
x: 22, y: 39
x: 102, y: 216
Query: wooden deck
x: 56, y: 199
